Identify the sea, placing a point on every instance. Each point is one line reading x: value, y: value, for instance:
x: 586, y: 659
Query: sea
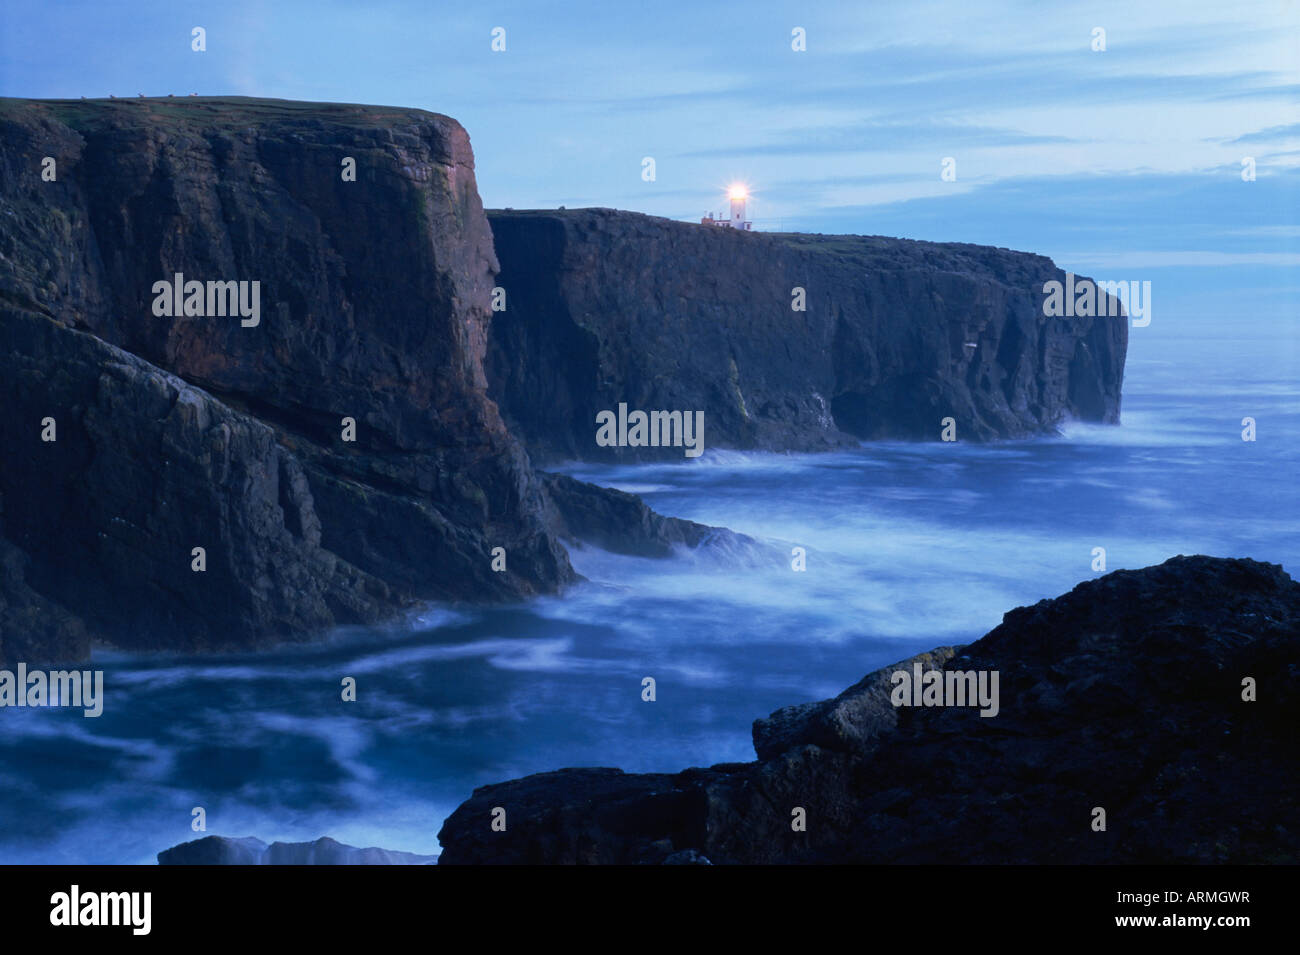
x: 906, y: 546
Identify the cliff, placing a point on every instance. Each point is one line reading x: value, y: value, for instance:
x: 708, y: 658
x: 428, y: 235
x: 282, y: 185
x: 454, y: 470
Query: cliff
x: 264, y: 329
x: 227, y: 431
x: 604, y: 307
x: 1128, y: 694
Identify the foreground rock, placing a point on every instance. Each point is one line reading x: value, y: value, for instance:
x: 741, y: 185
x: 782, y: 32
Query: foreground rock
x: 1125, y: 694
x: 220, y: 850
x: 607, y: 307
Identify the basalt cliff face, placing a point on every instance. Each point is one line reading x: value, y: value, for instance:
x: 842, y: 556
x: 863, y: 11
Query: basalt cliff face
x: 607, y: 307
x: 1166, y: 697
x: 171, y: 433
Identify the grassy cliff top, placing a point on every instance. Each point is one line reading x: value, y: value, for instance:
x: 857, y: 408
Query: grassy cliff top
x: 212, y: 111
x: 853, y: 249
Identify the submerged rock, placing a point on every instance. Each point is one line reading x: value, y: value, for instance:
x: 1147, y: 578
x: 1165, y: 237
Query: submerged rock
x: 1166, y: 698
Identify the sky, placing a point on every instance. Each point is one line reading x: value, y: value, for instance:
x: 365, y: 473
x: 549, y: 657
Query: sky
x: 1122, y: 163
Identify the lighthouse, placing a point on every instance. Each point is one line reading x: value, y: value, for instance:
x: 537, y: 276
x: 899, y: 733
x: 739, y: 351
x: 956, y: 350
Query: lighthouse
x: 738, y: 195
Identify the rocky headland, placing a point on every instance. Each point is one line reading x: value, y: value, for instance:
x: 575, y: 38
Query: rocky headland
x: 313, y: 437
x: 784, y: 341
x: 204, y: 431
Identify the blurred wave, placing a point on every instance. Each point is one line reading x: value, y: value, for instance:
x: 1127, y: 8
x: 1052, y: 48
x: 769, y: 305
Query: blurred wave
x: 907, y: 546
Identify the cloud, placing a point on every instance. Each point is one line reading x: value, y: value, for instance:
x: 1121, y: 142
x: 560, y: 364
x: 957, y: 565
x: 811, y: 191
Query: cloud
x: 1145, y: 259
x: 1273, y: 134
x: 882, y: 137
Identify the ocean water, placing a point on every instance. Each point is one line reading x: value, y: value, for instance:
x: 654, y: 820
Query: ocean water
x: 908, y: 546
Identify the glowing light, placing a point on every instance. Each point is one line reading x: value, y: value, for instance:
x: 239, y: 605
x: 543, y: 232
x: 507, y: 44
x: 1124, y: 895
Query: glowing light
x: 738, y: 191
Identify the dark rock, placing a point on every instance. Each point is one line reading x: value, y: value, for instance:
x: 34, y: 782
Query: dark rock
x: 219, y: 850
x: 606, y: 307
x: 622, y: 523
x: 145, y: 468
x: 852, y: 722
x: 184, y: 432
x: 374, y: 306
x: 31, y: 627
x: 687, y: 857
x: 582, y: 816
x: 215, y: 850
x: 1124, y: 694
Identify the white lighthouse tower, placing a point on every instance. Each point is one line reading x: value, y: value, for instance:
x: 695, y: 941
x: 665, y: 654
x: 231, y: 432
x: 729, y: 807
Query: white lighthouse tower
x: 738, y: 195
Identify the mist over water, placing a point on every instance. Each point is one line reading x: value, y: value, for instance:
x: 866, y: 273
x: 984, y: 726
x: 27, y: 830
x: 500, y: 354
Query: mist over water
x: 909, y: 546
